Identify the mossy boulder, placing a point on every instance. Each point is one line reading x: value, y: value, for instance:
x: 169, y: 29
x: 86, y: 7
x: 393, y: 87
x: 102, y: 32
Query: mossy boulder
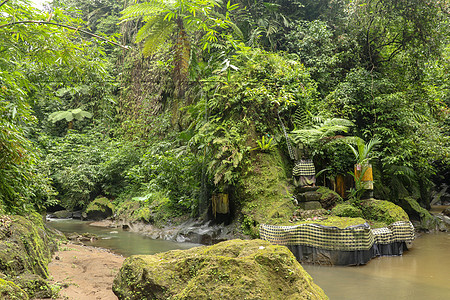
x: 413, y: 209
x: 234, y: 269
x: 328, y: 198
x: 63, y: 214
x: 26, y: 248
x: 10, y: 291
x: 383, y: 211
x: 347, y: 210
x: 99, y: 209
x: 417, y: 212
x: 265, y: 194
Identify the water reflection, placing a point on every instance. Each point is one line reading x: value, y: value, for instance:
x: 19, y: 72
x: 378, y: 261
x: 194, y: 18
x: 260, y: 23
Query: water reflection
x: 421, y: 273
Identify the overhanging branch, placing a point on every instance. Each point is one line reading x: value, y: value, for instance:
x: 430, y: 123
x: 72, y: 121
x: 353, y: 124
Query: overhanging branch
x: 1, y: 4
x: 65, y: 26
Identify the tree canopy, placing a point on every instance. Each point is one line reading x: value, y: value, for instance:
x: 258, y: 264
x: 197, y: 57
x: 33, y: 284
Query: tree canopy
x: 160, y: 87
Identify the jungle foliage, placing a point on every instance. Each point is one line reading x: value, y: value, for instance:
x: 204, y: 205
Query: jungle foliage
x: 185, y: 110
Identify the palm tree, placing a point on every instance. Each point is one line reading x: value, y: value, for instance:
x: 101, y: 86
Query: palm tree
x: 178, y: 20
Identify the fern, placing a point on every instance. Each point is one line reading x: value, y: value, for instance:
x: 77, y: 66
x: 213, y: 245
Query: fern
x: 301, y: 118
x: 140, y: 10
x: 326, y: 129
x: 155, y: 35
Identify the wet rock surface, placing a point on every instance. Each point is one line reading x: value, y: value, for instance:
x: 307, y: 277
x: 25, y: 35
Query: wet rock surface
x: 192, y: 231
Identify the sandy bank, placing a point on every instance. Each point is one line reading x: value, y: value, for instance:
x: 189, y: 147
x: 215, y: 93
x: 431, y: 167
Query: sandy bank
x: 85, y: 273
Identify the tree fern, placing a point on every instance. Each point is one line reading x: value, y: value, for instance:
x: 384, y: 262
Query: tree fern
x: 141, y: 10
x: 314, y: 134
x: 178, y: 19
x: 155, y: 35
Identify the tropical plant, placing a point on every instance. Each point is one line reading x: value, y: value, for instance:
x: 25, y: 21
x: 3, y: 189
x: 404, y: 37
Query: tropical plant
x: 243, y: 106
x: 181, y: 19
x: 362, y: 151
x: 34, y: 60
x: 69, y: 115
x: 175, y: 172
x: 319, y: 132
x: 265, y: 144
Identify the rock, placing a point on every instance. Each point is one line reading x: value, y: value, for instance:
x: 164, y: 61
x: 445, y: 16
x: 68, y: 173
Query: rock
x: 26, y: 248
x: 84, y: 237
x: 446, y: 212
x: 417, y: 212
x: 309, y: 205
x: 99, y: 209
x: 441, y: 196
x: 9, y: 290
x: 301, y: 214
x: 383, y: 211
x: 312, y: 196
x: 230, y: 270
x: 63, y: 214
x: 328, y: 198
x: 445, y: 220
x: 347, y: 210
x: 200, y: 233
x: 320, y: 197
x: 77, y: 214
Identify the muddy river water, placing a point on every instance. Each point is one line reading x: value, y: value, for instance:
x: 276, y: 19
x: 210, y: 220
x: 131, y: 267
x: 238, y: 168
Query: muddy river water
x: 422, y: 273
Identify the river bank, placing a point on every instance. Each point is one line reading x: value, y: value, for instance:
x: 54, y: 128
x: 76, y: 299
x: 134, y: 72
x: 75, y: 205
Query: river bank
x: 84, y: 272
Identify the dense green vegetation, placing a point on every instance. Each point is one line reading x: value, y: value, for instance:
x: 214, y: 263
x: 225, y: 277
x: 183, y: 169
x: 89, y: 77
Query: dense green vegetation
x: 197, y: 101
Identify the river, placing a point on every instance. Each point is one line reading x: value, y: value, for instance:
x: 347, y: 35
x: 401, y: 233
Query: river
x: 421, y: 273
x: 117, y: 240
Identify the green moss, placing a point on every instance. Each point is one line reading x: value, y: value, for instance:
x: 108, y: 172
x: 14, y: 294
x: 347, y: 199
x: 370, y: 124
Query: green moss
x: 231, y: 270
x: 377, y: 224
x: 30, y: 249
x: 383, y: 211
x: 100, y: 208
x: 332, y: 221
x: 26, y: 248
x: 329, y: 198
x: 347, y: 210
x: 266, y: 190
x: 34, y: 285
x: 10, y: 291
